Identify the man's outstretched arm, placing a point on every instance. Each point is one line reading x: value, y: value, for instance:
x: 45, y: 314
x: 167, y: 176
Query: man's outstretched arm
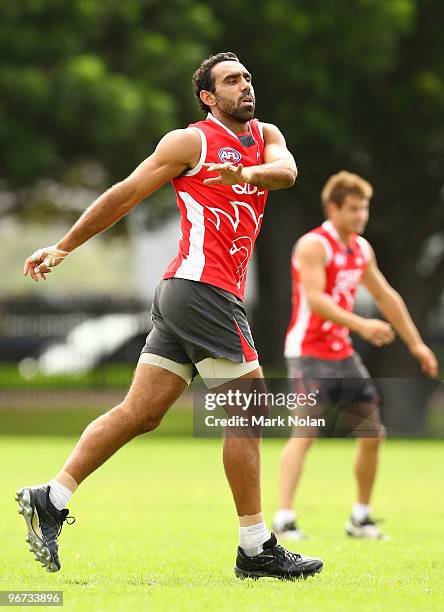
x: 175, y: 153
x: 278, y: 172
x: 393, y: 307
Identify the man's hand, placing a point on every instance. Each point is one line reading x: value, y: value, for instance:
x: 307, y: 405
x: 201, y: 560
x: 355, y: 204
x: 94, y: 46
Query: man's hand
x: 228, y: 174
x: 42, y: 260
x: 376, y: 331
x: 427, y: 359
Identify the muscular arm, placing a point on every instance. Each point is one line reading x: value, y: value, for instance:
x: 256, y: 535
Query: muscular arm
x: 311, y: 260
x: 393, y: 307
x: 278, y: 172
x: 310, y: 255
x: 176, y: 152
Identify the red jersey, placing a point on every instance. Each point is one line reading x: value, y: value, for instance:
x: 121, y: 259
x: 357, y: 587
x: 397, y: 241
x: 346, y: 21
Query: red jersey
x: 308, y: 333
x: 219, y: 223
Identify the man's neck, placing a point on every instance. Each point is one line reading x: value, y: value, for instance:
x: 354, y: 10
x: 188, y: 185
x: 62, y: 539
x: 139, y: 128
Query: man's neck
x: 343, y: 235
x: 238, y: 127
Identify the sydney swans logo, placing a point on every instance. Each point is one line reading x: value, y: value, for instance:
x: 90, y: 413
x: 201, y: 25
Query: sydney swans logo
x: 241, y: 247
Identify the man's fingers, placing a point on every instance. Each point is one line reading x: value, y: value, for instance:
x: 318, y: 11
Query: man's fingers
x: 30, y: 264
x: 34, y: 270
x: 38, y: 255
x: 387, y: 335
x: 388, y: 338
x: 380, y: 340
x: 44, y: 272
x: 49, y: 261
x: 216, y: 167
x: 32, y: 261
x: 430, y: 367
x: 222, y: 167
x: 31, y: 271
x: 42, y: 260
x: 217, y: 180
x: 388, y: 332
x: 43, y: 268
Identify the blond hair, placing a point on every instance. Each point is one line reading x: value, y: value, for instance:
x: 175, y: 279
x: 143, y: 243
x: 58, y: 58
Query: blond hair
x: 343, y: 184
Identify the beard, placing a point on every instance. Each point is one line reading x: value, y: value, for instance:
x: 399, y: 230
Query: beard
x: 238, y: 111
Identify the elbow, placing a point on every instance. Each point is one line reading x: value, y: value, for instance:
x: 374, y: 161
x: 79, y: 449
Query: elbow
x: 390, y: 296
x: 313, y: 302
x: 290, y: 177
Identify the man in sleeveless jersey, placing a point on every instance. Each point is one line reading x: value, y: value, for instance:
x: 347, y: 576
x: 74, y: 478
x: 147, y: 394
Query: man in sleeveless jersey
x: 221, y: 169
x: 328, y: 264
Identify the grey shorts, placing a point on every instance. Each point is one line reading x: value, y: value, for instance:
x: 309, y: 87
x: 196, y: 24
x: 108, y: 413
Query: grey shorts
x: 199, y: 328
x: 346, y: 392
x: 311, y: 367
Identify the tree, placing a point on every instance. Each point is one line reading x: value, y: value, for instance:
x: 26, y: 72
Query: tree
x: 88, y: 87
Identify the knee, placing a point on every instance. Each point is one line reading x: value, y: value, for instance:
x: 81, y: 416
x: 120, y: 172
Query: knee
x: 141, y: 418
x: 148, y: 423
x: 297, y: 442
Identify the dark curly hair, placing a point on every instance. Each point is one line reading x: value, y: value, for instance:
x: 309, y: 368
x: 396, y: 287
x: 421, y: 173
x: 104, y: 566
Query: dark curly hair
x: 203, y: 77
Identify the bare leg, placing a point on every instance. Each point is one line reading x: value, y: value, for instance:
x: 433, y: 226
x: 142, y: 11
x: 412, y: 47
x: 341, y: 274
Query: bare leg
x: 242, y: 468
x: 292, y: 462
x: 151, y: 394
x: 365, y: 467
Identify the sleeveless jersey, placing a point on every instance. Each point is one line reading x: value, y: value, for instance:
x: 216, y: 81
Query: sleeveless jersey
x: 219, y: 223
x: 308, y: 333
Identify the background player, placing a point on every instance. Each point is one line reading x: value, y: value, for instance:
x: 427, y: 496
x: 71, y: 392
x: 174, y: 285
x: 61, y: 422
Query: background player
x: 221, y: 169
x: 328, y: 264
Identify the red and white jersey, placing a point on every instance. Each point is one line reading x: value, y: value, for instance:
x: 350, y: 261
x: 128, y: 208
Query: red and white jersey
x: 219, y: 223
x: 308, y: 333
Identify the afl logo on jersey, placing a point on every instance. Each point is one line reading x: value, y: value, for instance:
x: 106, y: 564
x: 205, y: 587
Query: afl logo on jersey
x: 227, y: 154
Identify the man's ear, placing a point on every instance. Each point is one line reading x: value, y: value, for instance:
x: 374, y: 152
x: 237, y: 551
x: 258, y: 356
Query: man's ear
x: 330, y: 208
x: 207, y: 98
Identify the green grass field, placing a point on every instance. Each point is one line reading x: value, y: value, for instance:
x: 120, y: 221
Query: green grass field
x: 156, y: 529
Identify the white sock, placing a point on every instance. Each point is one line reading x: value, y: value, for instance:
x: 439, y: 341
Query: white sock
x: 283, y: 517
x: 252, y: 538
x: 59, y: 494
x: 360, y: 511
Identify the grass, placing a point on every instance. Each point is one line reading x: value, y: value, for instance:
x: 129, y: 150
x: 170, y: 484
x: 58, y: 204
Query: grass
x: 113, y: 375
x: 156, y: 529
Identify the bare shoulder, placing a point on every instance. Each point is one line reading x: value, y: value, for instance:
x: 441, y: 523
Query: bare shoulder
x: 310, y: 249
x: 272, y: 134
x: 182, y: 145
x: 187, y: 137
